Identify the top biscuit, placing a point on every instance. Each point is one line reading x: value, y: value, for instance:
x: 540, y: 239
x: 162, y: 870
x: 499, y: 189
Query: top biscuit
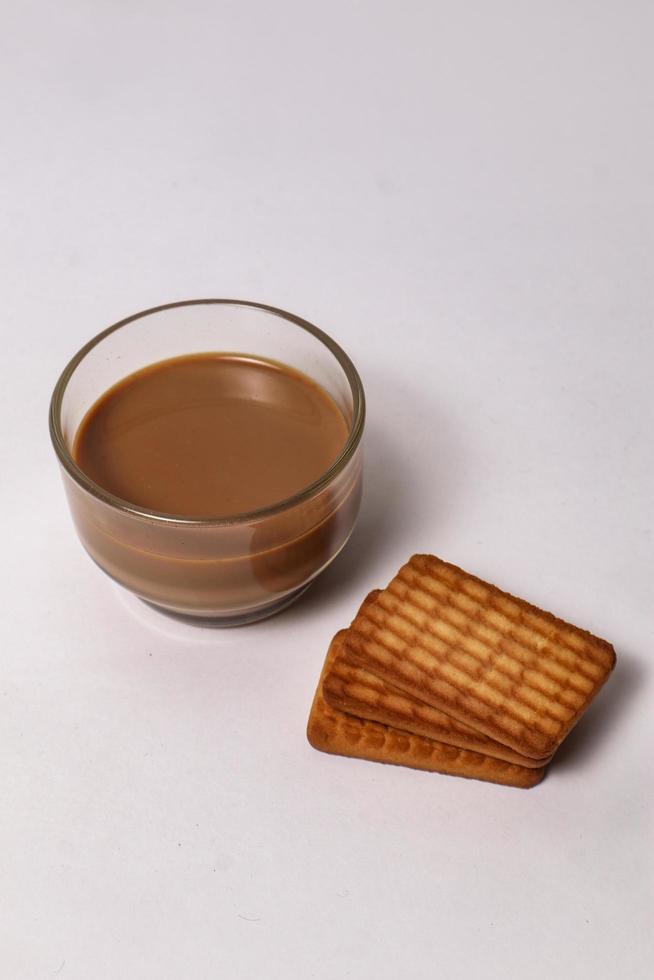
x: 511, y: 671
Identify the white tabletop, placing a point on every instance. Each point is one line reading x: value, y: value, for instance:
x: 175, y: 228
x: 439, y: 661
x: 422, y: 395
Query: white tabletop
x: 462, y: 194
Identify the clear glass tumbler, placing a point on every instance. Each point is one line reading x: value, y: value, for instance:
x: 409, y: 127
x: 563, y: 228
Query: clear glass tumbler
x: 231, y: 570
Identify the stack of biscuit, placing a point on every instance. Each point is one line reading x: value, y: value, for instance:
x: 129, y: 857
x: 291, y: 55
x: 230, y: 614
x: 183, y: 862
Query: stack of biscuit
x: 443, y: 672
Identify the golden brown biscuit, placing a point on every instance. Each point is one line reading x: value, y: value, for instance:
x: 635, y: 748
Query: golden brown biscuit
x: 331, y: 730
x: 374, y: 594
x: 496, y: 663
x: 356, y: 691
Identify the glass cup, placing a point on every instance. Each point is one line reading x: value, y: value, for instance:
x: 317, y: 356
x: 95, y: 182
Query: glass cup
x: 232, y: 570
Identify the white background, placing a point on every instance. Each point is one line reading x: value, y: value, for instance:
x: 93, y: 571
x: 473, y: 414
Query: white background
x: 463, y: 194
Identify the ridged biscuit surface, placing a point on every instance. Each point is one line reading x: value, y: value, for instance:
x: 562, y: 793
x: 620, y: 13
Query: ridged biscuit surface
x: 496, y: 663
x: 333, y: 731
x: 356, y: 691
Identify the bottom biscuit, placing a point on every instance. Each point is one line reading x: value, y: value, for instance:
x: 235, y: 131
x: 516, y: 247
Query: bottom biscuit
x: 334, y: 731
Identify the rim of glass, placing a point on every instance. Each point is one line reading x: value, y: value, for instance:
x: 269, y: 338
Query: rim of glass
x: 353, y: 440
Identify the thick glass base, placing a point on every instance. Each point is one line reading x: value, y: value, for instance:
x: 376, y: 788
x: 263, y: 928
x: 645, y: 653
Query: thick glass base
x: 223, y: 621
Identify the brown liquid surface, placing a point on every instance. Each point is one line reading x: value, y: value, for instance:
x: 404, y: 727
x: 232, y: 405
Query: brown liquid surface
x: 210, y: 435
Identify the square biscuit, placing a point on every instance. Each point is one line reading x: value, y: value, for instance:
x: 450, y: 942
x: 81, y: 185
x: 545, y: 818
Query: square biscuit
x: 498, y: 664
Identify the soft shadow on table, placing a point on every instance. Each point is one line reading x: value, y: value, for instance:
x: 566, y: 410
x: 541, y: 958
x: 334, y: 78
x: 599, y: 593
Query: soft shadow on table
x: 602, y: 720
x: 401, y: 497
